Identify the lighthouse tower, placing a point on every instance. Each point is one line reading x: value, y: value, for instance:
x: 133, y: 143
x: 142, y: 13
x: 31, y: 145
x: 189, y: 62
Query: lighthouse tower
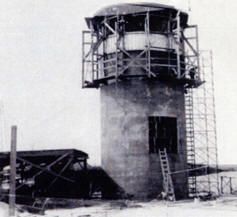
x: 144, y: 59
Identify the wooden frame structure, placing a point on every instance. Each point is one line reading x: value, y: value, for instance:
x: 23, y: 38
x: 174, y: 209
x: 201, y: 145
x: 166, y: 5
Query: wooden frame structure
x: 41, y: 173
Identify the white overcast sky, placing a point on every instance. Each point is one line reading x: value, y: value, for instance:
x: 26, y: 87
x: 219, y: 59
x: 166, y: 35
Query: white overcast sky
x: 40, y: 70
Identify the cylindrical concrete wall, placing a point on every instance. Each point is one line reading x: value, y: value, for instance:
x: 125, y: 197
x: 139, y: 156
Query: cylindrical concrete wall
x: 125, y: 109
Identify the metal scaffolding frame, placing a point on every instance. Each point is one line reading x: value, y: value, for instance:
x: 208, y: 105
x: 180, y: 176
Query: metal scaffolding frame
x: 95, y: 61
x: 201, y: 132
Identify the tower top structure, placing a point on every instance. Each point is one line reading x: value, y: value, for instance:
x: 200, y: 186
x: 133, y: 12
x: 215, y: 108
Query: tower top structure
x: 153, y: 38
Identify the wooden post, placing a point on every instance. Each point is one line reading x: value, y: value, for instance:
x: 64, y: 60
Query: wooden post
x: 12, y: 196
x: 222, y: 191
x: 231, y: 189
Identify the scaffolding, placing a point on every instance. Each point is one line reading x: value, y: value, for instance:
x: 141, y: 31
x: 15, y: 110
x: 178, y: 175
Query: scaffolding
x: 201, y: 132
x: 99, y: 67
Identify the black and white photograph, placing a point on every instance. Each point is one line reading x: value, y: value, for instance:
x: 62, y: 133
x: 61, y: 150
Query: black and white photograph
x: 118, y: 108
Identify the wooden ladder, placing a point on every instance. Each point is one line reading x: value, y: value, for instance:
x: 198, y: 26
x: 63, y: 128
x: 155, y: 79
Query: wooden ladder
x: 167, y: 180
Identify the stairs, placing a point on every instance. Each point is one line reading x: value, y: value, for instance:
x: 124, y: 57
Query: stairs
x: 167, y: 179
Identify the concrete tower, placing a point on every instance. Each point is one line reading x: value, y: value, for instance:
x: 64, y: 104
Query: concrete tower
x: 144, y: 64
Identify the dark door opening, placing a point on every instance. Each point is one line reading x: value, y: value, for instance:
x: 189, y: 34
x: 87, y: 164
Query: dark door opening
x: 162, y: 134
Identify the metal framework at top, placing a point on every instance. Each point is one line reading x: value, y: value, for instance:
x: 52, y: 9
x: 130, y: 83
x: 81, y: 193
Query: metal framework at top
x: 95, y: 61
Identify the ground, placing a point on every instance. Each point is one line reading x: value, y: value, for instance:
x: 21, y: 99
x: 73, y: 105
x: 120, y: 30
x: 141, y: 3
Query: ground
x: 224, y: 206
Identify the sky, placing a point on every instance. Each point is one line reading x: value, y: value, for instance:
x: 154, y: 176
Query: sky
x: 40, y: 72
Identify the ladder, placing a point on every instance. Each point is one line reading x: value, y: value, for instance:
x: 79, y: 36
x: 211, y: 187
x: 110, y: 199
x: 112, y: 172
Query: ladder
x: 167, y: 180
x: 192, y: 182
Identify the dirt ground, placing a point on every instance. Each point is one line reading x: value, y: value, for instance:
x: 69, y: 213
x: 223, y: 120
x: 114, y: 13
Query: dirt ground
x: 222, y: 207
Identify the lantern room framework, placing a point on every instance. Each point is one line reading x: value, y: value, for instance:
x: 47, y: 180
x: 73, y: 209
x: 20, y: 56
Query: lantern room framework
x: 101, y: 64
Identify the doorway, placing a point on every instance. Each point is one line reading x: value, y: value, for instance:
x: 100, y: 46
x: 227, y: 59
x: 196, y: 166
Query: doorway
x: 162, y: 134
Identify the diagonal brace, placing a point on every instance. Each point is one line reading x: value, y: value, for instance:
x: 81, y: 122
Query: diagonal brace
x: 47, y: 169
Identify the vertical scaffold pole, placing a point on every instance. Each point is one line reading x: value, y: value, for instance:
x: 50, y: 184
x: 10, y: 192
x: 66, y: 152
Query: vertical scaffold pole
x: 148, y: 44
x: 83, y: 61
x: 117, y: 46
x: 178, y: 48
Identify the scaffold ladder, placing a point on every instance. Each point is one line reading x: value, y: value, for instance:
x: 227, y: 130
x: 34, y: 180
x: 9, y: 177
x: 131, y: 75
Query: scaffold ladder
x: 167, y: 179
x: 190, y: 140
